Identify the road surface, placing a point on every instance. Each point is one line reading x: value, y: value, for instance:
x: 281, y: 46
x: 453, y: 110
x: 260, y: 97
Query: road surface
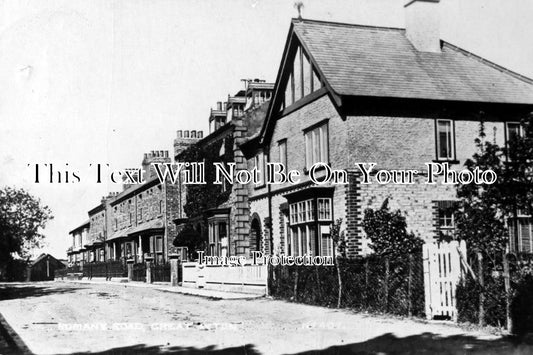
x: 65, y: 318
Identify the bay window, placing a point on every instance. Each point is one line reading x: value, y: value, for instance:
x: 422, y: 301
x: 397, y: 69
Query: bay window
x: 308, y: 229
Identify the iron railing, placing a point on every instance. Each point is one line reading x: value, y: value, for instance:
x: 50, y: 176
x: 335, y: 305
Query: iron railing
x: 161, y: 272
x: 139, y: 272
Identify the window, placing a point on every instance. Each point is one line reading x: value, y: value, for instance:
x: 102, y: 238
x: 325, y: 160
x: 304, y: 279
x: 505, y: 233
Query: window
x: 140, y: 214
x: 160, y: 206
x: 131, y: 218
x: 326, y: 242
x: 446, y: 222
x: 445, y: 140
x: 514, y: 131
x: 301, y: 212
x: 324, y: 209
x: 282, y: 146
x: 306, y: 235
x: 218, y: 237
x: 158, y: 244
x: 316, y: 146
x: 259, y: 164
x: 523, y: 224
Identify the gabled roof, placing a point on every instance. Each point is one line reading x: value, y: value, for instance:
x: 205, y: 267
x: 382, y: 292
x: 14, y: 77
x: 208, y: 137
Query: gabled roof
x: 376, y: 61
x: 44, y: 256
x: 369, y: 61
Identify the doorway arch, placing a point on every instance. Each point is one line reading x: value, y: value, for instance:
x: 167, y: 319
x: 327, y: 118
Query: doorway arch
x: 255, y: 233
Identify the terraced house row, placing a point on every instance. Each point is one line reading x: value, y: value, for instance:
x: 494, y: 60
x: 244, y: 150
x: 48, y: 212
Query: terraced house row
x: 343, y: 94
x: 143, y: 220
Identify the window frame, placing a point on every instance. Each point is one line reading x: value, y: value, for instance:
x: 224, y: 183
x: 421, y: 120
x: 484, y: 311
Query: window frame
x: 326, y: 212
x: 262, y: 169
x: 518, y: 247
x: 304, y: 228
x: 318, y: 132
x: 453, y: 156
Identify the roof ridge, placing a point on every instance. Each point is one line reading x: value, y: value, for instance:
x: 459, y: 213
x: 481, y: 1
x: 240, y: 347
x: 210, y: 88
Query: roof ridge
x: 489, y: 63
x: 344, y: 24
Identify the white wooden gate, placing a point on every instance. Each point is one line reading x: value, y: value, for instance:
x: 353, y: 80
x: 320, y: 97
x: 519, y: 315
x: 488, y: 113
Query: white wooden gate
x: 442, y: 272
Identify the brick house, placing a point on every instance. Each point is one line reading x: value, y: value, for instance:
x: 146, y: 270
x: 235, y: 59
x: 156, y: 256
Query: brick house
x: 140, y: 217
x: 132, y: 223
x: 399, y: 98
x: 225, y: 224
x: 77, y: 252
x: 97, y: 232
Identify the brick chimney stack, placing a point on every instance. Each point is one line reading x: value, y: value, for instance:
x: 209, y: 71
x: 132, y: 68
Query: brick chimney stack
x: 184, y: 139
x: 154, y: 157
x: 422, y: 24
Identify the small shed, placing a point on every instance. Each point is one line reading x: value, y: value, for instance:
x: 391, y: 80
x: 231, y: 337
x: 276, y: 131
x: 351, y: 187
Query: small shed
x: 43, y: 268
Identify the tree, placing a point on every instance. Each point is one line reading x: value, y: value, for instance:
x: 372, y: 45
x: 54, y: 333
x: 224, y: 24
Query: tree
x: 340, y: 250
x: 22, y: 218
x: 486, y: 210
x: 190, y: 238
x: 387, y: 231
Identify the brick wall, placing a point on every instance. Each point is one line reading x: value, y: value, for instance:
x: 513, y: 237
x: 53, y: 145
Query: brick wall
x: 97, y: 227
x: 391, y: 142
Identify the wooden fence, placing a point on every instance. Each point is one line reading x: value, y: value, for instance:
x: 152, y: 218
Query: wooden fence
x: 248, y: 278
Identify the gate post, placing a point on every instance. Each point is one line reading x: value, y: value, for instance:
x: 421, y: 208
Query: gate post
x: 427, y: 279
x: 130, y: 269
x: 174, y: 269
x: 149, y: 260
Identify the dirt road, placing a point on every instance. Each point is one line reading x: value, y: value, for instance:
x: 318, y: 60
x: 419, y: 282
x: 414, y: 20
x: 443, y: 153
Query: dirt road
x: 61, y: 318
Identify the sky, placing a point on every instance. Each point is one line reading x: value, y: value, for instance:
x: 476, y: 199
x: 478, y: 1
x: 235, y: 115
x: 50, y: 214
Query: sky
x: 104, y: 81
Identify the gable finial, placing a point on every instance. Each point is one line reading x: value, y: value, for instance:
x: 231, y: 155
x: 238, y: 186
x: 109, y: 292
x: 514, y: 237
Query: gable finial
x: 298, y: 5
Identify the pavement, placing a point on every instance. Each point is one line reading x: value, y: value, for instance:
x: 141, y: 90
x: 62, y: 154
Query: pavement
x: 166, y: 287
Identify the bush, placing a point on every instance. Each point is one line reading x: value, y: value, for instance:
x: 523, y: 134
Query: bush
x: 16, y: 270
x: 522, y: 304
x: 467, y: 297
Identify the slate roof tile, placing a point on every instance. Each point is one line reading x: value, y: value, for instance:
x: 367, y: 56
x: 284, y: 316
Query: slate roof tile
x: 375, y: 61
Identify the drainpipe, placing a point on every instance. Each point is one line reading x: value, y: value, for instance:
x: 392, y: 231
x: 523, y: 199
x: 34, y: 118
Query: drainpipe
x: 269, y: 193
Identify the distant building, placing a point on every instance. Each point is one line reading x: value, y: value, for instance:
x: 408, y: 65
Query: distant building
x: 77, y: 253
x: 43, y: 268
x: 135, y: 222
